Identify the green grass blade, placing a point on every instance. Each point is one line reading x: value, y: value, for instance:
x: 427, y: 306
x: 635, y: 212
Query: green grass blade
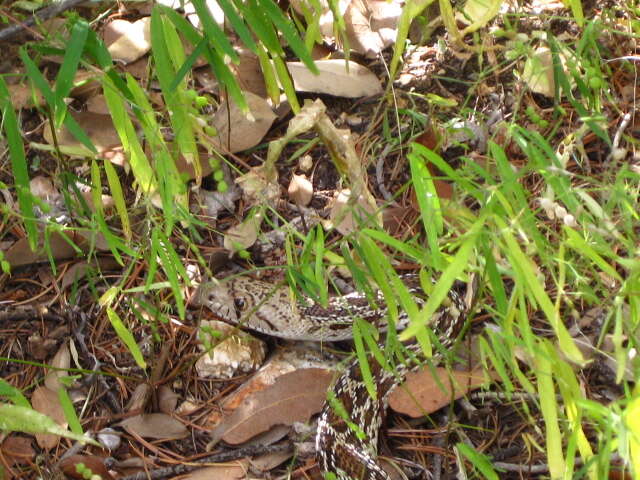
x: 67, y: 73
x: 126, y: 131
x: 118, y: 198
x: 16, y: 418
x: 523, y: 264
x: 69, y: 412
x: 445, y: 282
x: 127, y: 338
x: 213, y: 31
x: 549, y: 409
x: 18, y: 164
x: 480, y: 461
x: 288, y: 30
x: 13, y: 394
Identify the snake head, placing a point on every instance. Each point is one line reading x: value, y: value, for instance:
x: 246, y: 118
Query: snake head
x: 229, y: 300
x: 218, y: 298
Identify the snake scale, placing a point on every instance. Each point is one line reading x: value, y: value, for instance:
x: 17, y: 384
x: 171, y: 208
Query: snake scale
x: 346, y: 447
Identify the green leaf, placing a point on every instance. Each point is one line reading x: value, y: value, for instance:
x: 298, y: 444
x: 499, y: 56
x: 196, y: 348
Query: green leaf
x: 69, y: 412
x: 18, y: 164
x: 126, y: 131
x: 286, y: 27
x: 13, y: 394
x: 16, y: 418
x: 67, y: 73
x: 480, y: 461
x: 127, y: 338
x: 445, y: 282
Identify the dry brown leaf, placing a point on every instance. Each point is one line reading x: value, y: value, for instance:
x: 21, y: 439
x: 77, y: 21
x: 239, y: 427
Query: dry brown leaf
x: 42, y: 187
x: 269, y: 461
x: 249, y: 74
x: 237, y: 131
x: 46, y: 401
x: 17, y: 450
x: 22, y: 96
x: 230, y: 471
x: 62, y: 360
x: 167, y: 399
x: 79, y: 270
x: 334, y: 79
x: 293, y: 397
x: 346, y: 217
x: 98, y: 104
x: 86, y: 85
x: 98, y: 127
x: 92, y: 462
x: 128, y: 41
x: 421, y: 394
x: 244, y: 234
x: 20, y: 253
x: 156, y: 426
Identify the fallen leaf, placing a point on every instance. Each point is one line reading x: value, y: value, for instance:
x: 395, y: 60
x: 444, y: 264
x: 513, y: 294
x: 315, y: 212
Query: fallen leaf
x: 68, y: 465
x: 61, y: 360
x: 46, y: 401
x: 334, y: 79
x: 42, y: 187
x: 244, y: 234
x: 230, y: 471
x: 421, y: 394
x: 17, y: 450
x: 155, y: 426
x: 538, y: 72
x: 347, y: 216
x: 23, y: 96
x: 99, y: 128
x: 167, y: 399
x: 293, y: 397
x: 238, y: 131
x: 20, y: 252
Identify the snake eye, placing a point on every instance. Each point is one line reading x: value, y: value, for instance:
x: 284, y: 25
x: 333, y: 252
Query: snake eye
x: 239, y: 303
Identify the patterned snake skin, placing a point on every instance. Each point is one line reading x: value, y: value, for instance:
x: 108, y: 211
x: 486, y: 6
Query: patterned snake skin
x: 347, y: 447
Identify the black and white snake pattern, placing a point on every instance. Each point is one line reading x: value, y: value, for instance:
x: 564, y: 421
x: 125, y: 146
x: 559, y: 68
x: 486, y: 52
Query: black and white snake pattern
x: 346, y: 447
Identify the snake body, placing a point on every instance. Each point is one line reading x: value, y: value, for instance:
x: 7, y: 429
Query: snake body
x: 346, y: 447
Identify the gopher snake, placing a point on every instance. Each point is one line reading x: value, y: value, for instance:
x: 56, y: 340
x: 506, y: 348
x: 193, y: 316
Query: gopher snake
x: 347, y: 447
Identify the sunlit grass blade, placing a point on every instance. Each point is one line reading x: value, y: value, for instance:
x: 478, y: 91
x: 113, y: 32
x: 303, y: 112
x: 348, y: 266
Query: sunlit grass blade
x: 359, y: 331
x: 126, y: 131
x: 481, y: 462
x: 220, y: 39
x: 41, y: 84
x: 445, y: 282
x: 168, y: 56
x: 215, y: 59
x: 16, y: 418
x: 18, y: 164
x: 8, y: 391
x: 127, y: 338
x: 429, y: 202
x: 523, y: 265
x: 549, y: 409
x: 69, y: 412
x: 67, y: 72
x: 286, y: 27
x: 118, y: 198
